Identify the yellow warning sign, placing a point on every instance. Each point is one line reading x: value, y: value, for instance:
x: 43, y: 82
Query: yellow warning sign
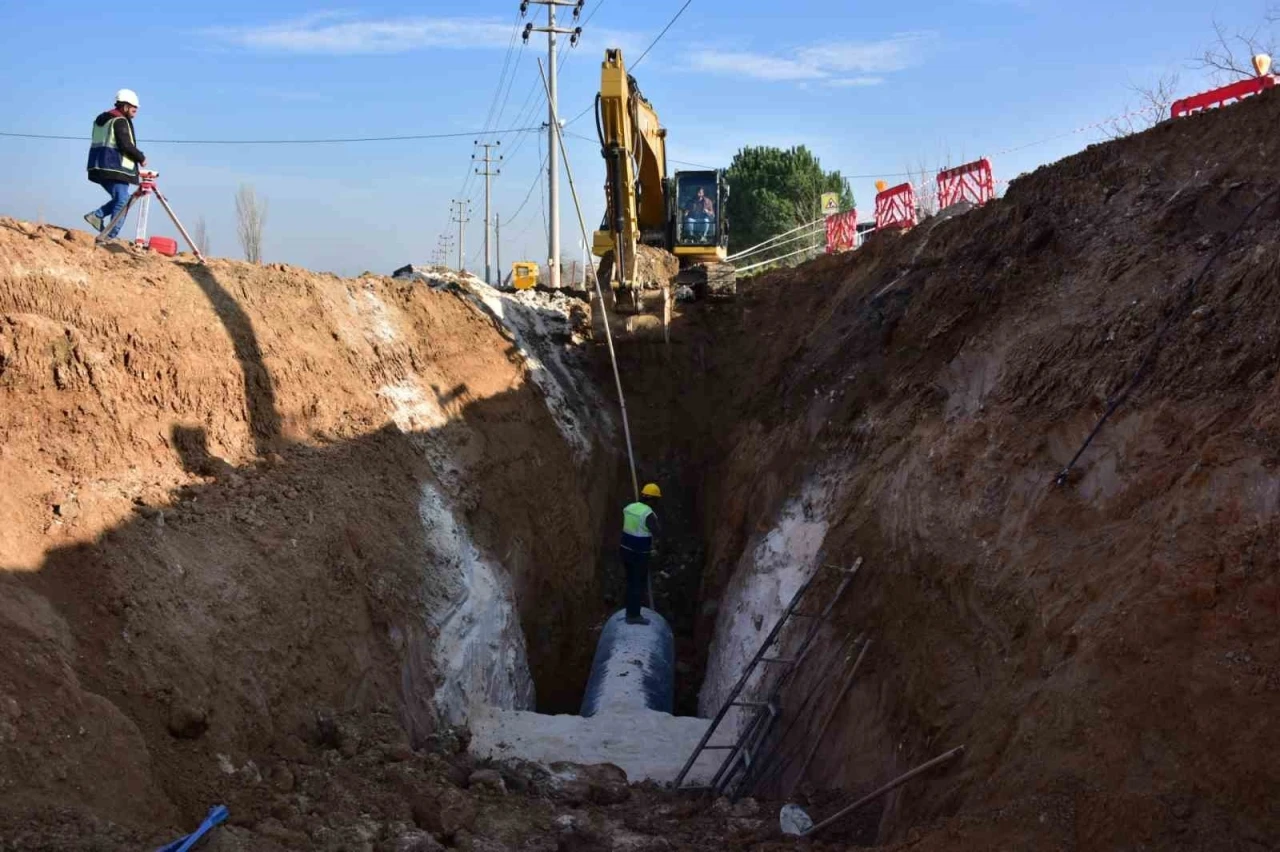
x: 830, y: 203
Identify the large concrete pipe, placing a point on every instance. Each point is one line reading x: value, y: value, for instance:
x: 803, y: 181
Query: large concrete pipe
x: 634, y: 667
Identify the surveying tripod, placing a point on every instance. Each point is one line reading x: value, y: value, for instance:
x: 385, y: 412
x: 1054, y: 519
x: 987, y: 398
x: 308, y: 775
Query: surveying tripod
x: 142, y: 197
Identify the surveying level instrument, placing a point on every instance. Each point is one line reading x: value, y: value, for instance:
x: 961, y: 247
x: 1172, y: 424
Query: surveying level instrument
x: 142, y: 197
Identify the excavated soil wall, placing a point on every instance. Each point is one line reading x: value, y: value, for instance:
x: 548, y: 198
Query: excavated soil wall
x: 1106, y: 648
x: 241, y: 501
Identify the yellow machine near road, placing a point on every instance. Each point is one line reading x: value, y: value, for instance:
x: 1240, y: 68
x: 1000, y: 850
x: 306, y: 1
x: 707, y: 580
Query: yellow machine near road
x: 524, y: 275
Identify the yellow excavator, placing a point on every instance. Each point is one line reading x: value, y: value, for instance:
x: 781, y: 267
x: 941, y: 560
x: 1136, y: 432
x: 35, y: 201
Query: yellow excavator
x: 661, y: 234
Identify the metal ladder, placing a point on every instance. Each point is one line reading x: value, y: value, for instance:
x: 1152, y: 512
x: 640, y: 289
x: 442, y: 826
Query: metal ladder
x: 742, y: 753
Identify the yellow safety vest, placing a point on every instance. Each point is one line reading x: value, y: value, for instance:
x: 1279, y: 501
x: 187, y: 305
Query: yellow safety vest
x: 634, y: 517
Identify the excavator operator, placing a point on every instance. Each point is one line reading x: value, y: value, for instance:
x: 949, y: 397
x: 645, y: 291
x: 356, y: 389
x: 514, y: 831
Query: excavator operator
x: 700, y: 217
x: 639, y: 527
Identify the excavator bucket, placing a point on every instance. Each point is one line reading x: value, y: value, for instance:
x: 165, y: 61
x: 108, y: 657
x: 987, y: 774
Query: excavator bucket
x: 641, y: 307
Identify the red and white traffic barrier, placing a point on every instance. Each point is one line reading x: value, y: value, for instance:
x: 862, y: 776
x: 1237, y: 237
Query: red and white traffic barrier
x: 842, y: 232
x: 896, y: 207
x: 1221, y: 96
x: 973, y: 182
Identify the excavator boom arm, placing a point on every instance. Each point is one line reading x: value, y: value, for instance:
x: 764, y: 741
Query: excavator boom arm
x: 634, y: 146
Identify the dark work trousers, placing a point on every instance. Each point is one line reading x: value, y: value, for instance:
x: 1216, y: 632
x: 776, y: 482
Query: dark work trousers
x: 637, y: 567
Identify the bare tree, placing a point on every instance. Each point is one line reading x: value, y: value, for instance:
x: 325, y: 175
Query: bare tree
x: 925, y: 180
x: 251, y: 216
x: 1230, y: 56
x: 1152, y: 107
x: 201, y: 235
x: 568, y: 273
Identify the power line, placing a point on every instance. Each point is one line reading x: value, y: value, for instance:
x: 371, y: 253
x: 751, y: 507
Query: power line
x: 593, y: 12
x: 686, y: 163
x: 330, y: 141
x: 526, y: 115
x: 564, y: 58
x: 658, y: 38
x: 543, y: 199
x: 506, y: 98
x: 489, y: 119
x: 579, y: 115
x: 511, y: 219
x: 669, y: 25
x: 493, y: 118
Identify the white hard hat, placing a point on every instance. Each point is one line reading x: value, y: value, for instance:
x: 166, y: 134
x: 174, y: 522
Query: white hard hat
x: 127, y: 96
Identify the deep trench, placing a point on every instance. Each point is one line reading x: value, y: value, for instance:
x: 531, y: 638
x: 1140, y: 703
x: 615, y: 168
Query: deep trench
x: 675, y: 434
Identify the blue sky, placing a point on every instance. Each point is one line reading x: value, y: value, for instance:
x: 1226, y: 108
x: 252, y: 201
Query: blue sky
x: 873, y: 88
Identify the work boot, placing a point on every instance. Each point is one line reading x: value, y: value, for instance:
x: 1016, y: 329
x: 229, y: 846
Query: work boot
x: 639, y: 619
x: 94, y: 220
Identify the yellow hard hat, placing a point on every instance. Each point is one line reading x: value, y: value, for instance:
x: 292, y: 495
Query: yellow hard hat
x: 651, y: 490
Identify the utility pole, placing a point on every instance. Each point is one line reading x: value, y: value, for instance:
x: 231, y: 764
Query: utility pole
x: 443, y: 243
x: 487, y: 160
x: 553, y: 154
x: 462, y: 219
x: 497, y: 245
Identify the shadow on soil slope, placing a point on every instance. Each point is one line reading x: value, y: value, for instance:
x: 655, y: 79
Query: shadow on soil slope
x: 179, y: 658
x: 183, y: 653
x: 259, y: 393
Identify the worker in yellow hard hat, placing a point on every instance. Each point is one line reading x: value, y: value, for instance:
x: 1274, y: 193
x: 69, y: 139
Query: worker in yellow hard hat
x: 639, y: 528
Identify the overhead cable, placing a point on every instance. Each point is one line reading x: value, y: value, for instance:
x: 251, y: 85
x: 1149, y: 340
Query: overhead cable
x: 328, y: 141
x: 536, y: 180
x: 803, y: 235
x: 669, y: 25
x: 775, y: 238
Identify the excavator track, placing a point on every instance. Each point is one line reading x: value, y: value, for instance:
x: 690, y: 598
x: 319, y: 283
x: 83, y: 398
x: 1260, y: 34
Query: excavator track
x: 709, y: 280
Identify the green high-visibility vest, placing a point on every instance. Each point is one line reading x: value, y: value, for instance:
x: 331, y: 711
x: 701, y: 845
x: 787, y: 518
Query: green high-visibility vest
x: 104, y: 140
x: 634, y: 517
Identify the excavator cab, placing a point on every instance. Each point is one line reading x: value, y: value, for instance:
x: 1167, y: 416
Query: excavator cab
x: 697, y: 220
x: 699, y: 231
x: 662, y: 234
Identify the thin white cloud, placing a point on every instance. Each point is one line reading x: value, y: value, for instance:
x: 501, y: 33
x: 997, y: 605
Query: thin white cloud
x: 340, y: 33
x: 853, y: 82
x: 826, y: 61
x: 756, y: 65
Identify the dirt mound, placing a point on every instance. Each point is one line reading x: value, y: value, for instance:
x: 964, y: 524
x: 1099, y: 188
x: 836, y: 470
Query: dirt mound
x: 1107, y: 650
x: 239, y: 499
x: 655, y: 268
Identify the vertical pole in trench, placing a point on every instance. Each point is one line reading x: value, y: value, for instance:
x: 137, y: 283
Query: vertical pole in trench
x: 608, y: 335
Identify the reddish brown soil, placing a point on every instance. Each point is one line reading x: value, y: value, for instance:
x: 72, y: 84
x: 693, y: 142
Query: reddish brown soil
x: 212, y: 581
x: 210, y: 525
x: 1107, y: 650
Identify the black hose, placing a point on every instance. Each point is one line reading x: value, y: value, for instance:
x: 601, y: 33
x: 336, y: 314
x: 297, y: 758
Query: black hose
x: 600, y: 127
x: 1147, y: 359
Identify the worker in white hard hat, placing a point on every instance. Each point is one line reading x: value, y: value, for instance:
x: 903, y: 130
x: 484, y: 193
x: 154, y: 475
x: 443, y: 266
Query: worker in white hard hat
x: 114, y: 160
x: 639, y: 527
